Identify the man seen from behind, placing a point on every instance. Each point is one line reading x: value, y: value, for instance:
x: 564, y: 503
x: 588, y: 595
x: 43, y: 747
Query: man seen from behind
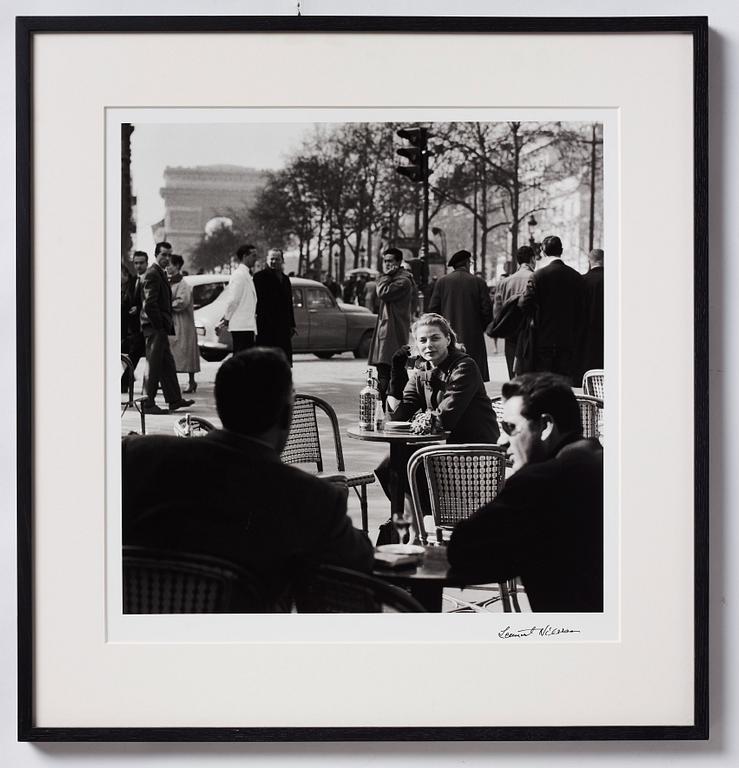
x: 227, y: 494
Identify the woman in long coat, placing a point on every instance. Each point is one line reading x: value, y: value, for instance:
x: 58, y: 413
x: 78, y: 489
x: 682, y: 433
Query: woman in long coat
x: 184, y: 344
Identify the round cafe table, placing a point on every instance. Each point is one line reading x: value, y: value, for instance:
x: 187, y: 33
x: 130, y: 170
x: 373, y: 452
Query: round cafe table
x: 425, y: 580
x: 398, y: 441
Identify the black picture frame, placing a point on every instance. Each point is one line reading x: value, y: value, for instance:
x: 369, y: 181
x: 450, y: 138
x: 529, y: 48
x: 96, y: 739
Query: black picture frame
x: 26, y: 29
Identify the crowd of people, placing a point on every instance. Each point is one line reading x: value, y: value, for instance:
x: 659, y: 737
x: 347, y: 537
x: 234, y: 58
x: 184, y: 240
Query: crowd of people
x: 157, y: 320
x: 550, y: 315
x: 546, y: 525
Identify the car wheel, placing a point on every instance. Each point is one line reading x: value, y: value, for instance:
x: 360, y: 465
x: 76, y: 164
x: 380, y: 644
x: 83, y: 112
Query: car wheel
x: 324, y: 355
x: 363, y: 347
x: 212, y: 355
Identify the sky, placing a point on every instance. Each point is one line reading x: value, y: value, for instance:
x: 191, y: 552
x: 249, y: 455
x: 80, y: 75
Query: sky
x: 156, y: 146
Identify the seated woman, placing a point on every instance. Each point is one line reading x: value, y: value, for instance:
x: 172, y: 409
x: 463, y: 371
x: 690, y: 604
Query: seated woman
x: 448, y: 382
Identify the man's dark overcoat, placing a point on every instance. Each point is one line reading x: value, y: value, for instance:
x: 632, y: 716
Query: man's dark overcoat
x: 555, y: 300
x: 275, y: 315
x: 592, y: 355
x: 156, y: 309
x: 229, y: 496
x: 463, y: 299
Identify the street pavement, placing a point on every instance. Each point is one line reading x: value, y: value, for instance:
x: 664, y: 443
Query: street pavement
x: 337, y: 381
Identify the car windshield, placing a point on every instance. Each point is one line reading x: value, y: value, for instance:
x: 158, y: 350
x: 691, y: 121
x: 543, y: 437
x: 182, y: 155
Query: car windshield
x: 205, y: 293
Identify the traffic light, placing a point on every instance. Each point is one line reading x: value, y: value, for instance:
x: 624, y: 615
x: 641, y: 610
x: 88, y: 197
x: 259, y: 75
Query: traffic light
x: 417, y: 153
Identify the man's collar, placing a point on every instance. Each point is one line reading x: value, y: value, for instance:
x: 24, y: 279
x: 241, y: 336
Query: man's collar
x: 242, y: 442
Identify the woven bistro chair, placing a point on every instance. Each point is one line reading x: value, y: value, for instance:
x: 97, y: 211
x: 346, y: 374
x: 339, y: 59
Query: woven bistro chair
x: 131, y: 401
x: 192, y: 426
x: 304, y: 447
x: 592, y: 382
x: 591, y: 416
x: 331, y: 589
x: 160, y: 581
x: 461, y: 479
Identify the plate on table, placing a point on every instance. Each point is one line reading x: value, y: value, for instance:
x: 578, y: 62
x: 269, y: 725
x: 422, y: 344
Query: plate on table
x: 398, y: 426
x: 401, y: 549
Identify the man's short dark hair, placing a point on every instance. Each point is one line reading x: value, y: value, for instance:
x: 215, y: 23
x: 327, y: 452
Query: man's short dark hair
x: 525, y: 254
x: 252, y: 388
x: 396, y: 253
x: 546, y: 393
x: 551, y: 246
x: 140, y: 253
x: 161, y: 246
x: 244, y: 250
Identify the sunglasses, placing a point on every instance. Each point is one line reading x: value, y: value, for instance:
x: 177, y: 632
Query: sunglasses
x: 508, y: 428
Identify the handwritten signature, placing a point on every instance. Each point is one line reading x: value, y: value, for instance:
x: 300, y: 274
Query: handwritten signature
x: 546, y: 631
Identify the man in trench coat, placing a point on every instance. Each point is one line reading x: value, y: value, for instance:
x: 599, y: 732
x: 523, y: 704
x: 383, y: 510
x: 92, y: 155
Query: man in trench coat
x: 463, y: 299
x: 396, y: 292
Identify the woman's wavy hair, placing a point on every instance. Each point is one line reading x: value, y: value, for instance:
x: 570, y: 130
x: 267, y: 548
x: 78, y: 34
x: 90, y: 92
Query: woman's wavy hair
x: 431, y: 318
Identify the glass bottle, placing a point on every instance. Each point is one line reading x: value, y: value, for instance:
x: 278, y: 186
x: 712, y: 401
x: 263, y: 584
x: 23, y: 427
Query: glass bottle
x: 379, y: 414
x: 367, y: 398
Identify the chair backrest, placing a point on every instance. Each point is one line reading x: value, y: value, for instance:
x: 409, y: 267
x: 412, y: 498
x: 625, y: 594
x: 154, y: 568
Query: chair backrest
x: 592, y: 382
x: 304, y: 441
x: 159, y: 581
x: 192, y: 426
x: 330, y: 589
x: 461, y: 478
x: 591, y: 415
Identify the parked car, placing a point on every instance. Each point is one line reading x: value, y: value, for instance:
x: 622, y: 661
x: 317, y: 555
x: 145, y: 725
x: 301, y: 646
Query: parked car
x: 325, y: 326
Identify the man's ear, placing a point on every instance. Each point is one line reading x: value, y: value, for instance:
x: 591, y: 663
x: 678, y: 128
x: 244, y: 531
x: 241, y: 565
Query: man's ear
x: 548, y: 426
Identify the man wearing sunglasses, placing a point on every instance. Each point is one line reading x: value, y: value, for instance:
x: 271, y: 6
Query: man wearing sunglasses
x: 546, y: 524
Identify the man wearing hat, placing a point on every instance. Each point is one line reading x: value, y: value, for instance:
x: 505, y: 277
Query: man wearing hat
x: 463, y: 299
x: 555, y: 300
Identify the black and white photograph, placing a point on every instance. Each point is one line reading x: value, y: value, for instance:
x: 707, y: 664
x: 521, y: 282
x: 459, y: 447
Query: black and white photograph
x: 362, y: 366
x: 388, y: 419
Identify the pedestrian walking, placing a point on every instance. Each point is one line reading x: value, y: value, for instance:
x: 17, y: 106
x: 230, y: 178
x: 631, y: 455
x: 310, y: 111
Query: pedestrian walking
x: 184, y: 343
x: 510, y: 289
x: 592, y: 356
x: 157, y: 326
x: 133, y: 343
x: 395, y: 291
x: 275, y: 316
x: 463, y: 299
x: 554, y: 301
x: 240, y: 316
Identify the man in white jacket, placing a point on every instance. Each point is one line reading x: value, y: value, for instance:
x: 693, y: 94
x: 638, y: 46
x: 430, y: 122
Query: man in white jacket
x: 240, y: 316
